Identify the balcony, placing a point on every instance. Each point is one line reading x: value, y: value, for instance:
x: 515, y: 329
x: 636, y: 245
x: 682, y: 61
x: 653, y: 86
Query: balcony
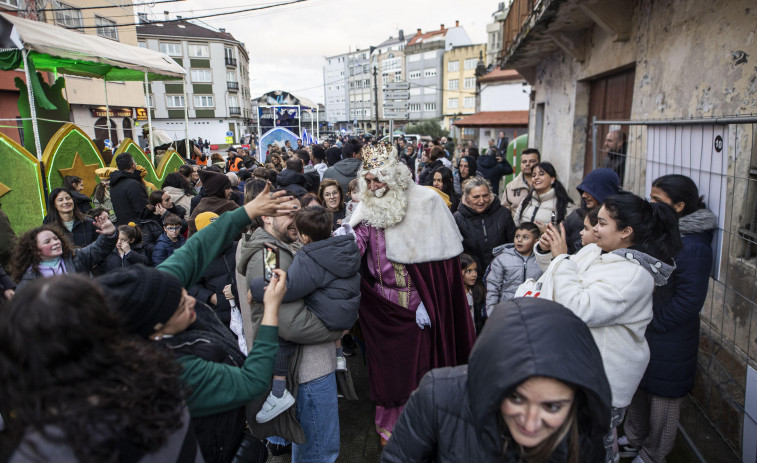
x: 234, y: 86
x: 235, y: 110
x: 535, y: 29
x: 232, y: 62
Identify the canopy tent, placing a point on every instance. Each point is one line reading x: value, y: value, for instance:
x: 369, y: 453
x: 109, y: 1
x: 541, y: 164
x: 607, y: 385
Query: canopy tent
x: 45, y: 47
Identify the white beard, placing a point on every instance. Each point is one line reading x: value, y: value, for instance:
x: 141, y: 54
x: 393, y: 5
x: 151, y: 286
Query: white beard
x: 384, y: 208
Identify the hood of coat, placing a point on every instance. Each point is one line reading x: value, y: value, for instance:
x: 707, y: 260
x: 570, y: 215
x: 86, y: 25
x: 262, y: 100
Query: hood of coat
x: 120, y: 175
x: 600, y: 183
x: 469, y: 213
x: 250, y: 244
x: 290, y: 177
x: 659, y: 270
x: 339, y: 255
x: 348, y: 167
x: 699, y: 221
x: 528, y: 337
x: 487, y: 161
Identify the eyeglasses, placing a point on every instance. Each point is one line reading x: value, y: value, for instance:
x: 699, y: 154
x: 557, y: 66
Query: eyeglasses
x: 173, y: 228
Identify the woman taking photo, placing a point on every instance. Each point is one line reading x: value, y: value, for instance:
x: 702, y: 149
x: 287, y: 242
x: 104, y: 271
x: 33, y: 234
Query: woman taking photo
x: 331, y: 196
x: 515, y: 401
x: 609, y: 285
x: 546, y: 196
x: 90, y: 392
x: 483, y: 222
x: 443, y: 181
x: 62, y: 212
x: 45, y: 251
x: 673, y: 333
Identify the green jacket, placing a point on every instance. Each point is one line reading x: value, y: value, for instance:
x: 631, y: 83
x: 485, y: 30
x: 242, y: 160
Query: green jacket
x: 217, y: 387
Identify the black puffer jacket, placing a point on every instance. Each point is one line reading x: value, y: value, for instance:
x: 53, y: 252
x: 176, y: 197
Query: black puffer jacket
x: 453, y: 416
x: 128, y: 195
x: 218, y: 274
x: 494, y: 170
x: 425, y: 177
x: 81, y: 201
x: 293, y: 182
x: 485, y: 231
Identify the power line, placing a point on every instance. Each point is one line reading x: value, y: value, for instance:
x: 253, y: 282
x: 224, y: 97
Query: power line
x: 291, y: 2
x: 126, y: 5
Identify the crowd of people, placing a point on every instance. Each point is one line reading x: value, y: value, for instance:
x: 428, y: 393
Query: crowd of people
x: 209, y: 319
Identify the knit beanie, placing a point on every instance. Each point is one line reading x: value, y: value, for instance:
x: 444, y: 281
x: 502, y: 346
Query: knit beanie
x: 214, y: 183
x: 144, y: 297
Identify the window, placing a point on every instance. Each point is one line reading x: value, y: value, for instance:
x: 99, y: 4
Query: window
x: 13, y: 3
x: 471, y: 63
x: 106, y: 28
x: 150, y: 101
x: 231, y: 76
x: 413, y: 58
x: 429, y: 91
x: 429, y: 72
x: 429, y: 106
x: 201, y: 75
x: 171, y: 49
x: 175, y: 101
x: 142, y: 45
x: 233, y: 100
x: 385, y: 79
x: 67, y: 16
x: 453, y: 66
x: 414, y: 75
x: 453, y: 84
x: 415, y: 107
x: 203, y: 101
x: 452, y: 103
x: 429, y: 55
x: 469, y: 82
x: 469, y: 102
x: 228, y: 52
x: 198, y: 50
x: 415, y: 91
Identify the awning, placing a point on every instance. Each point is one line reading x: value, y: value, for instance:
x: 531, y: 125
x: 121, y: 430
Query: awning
x: 495, y: 119
x: 57, y: 49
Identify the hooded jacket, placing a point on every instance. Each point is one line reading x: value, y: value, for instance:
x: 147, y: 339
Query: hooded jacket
x: 81, y: 201
x: 508, y: 270
x: 82, y: 234
x: 128, y: 194
x: 180, y: 198
x: 453, y: 416
x: 344, y: 171
x: 673, y: 333
x: 601, y: 184
x: 219, y: 273
x: 152, y: 227
x: 612, y: 293
x: 472, y: 172
x: 485, y: 231
x: 425, y: 178
x: 327, y: 275
x: 494, y: 170
x: 165, y: 247
x: 540, y: 208
x: 293, y: 182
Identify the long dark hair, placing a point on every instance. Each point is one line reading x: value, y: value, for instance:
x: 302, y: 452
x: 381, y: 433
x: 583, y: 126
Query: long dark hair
x: 472, y: 166
x: 99, y: 193
x: 448, y: 185
x: 26, y: 253
x: 53, y: 216
x: 176, y: 180
x: 561, y: 196
x: 655, y: 225
x: 69, y: 181
x: 478, y: 290
x: 88, y: 378
x: 681, y: 189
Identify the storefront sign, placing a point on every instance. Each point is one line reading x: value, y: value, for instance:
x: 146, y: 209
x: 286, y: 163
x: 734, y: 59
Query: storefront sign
x: 100, y: 111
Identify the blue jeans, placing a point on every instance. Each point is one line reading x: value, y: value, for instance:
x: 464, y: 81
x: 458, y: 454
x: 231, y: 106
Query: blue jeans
x: 318, y: 414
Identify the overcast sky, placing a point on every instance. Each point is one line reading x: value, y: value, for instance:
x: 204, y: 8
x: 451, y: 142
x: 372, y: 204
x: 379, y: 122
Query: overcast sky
x: 288, y: 44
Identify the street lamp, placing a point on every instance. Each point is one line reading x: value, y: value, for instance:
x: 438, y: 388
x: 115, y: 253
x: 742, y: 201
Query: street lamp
x: 480, y: 72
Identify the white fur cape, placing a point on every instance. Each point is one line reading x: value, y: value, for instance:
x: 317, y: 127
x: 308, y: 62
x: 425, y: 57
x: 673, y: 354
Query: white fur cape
x: 427, y: 233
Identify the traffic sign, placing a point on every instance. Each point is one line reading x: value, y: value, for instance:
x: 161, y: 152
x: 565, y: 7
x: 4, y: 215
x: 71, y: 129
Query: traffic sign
x: 397, y: 86
x: 397, y: 95
x: 396, y: 115
x: 229, y: 134
x: 401, y: 105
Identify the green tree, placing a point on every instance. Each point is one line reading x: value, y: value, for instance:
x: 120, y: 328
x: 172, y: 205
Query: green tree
x: 428, y: 127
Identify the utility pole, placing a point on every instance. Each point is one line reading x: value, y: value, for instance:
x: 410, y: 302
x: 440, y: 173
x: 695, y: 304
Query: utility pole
x: 375, y: 99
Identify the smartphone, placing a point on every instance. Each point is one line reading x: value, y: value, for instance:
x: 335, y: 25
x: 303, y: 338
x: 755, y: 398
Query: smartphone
x: 270, y: 260
x: 553, y: 219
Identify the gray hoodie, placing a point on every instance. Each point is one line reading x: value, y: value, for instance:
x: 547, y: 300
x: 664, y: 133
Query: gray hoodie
x: 508, y: 270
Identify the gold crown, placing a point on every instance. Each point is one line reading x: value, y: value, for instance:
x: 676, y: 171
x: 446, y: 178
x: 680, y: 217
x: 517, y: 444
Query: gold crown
x: 378, y: 156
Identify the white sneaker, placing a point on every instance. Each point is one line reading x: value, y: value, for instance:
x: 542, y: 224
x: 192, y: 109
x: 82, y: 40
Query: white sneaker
x: 274, y: 406
x: 341, y: 364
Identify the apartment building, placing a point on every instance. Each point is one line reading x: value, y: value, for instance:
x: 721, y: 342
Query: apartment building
x: 335, y: 91
x: 460, y: 82
x: 217, y: 92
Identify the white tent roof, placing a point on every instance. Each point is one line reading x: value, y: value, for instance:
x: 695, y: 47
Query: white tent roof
x: 84, y: 54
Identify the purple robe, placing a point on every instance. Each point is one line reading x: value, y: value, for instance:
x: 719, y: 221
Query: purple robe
x: 398, y: 352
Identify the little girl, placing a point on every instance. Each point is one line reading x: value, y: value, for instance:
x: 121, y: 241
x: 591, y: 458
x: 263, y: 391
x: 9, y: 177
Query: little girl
x: 474, y: 291
x: 123, y: 255
x: 590, y: 221
x: 512, y: 265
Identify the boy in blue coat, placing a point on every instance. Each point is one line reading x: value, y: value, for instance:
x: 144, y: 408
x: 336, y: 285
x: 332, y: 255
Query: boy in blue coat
x: 326, y: 273
x: 169, y: 241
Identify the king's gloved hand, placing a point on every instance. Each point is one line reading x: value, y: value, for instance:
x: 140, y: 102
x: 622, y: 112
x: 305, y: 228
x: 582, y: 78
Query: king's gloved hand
x: 421, y: 317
